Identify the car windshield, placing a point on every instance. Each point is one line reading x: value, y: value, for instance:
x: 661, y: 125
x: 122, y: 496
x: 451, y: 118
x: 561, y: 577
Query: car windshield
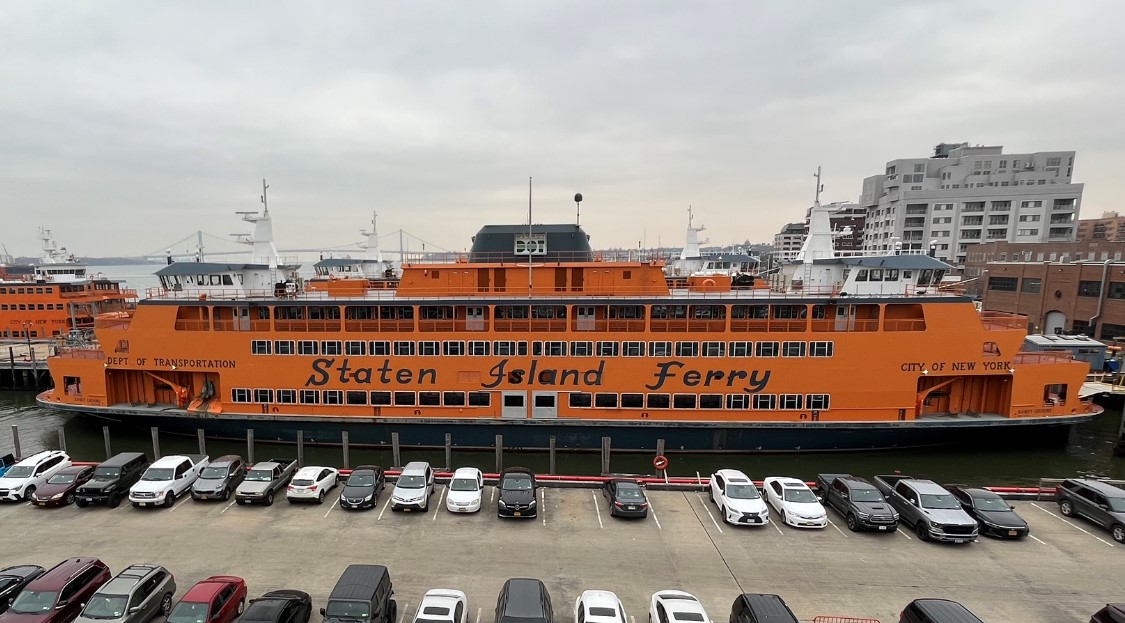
x: 159, y: 473
x: 360, y: 480
x: 346, y: 610
x: 742, y: 492
x: 629, y: 493
x: 939, y: 501
x: 62, y: 479
x: 106, y: 606
x: 867, y: 495
x: 517, y: 483
x: 32, y: 602
x: 411, y: 482
x: 1116, y: 505
x: 990, y: 504
x: 188, y: 612
x: 260, y: 475
x: 463, y: 484
x: 20, y: 471
x: 214, y: 473
x: 799, y: 495
x: 106, y: 473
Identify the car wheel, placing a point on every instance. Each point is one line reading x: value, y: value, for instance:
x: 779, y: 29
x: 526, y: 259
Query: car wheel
x: 226, y: 494
x: 169, y: 500
x: 1118, y: 533
x: 393, y: 612
x: 711, y: 495
x: 269, y: 499
x: 242, y: 606
x: 81, y: 503
x: 290, y: 500
x: 114, y: 501
x: 28, y: 492
x: 922, y: 531
x: 69, y: 499
x: 723, y: 512
x: 320, y: 498
x: 1066, y: 508
x: 166, y: 604
x: 853, y: 524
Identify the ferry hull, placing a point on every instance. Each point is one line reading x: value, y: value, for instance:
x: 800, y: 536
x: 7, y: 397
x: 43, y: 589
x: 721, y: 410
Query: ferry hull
x: 742, y: 437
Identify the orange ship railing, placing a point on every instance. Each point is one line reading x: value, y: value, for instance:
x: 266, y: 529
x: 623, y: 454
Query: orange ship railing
x: 997, y: 320
x: 80, y: 353
x: 1037, y: 358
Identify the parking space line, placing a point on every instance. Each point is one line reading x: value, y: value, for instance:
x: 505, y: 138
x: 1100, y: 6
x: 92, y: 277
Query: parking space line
x: 1036, y: 538
x: 1072, y: 525
x: 334, y: 503
x: 777, y: 527
x: 478, y: 615
x: 903, y: 533
x: 597, y: 510
x: 404, y: 611
x: 385, y: 505
x: 830, y: 522
x: 492, y: 496
x: 441, y: 498
x: 543, y: 504
x: 708, y: 511
x: 652, y: 511
x: 232, y: 503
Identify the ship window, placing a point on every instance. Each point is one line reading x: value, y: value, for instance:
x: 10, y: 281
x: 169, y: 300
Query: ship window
x: 669, y: 311
x: 287, y: 396
x: 581, y: 349
x: 548, y: 349
x: 404, y: 399
x: 509, y: 349
x: 435, y: 312
x: 765, y: 401
x: 353, y: 347
x: 39, y: 306
x: 428, y: 349
x: 263, y: 395
x: 309, y: 397
x: 861, y: 275
x: 453, y: 348
x: 658, y: 401
x: 478, y: 348
x: 547, y: 312
x: 356, y: 397
x: 711, y: 401
x: 581, y: 400
x: 738, y: 401
x: 379, y: 349
x: 608, y: 349
x: 404, y: 348
x: 875, y: 274
x: 240, y: 395
x: 287, y: 312
x: 818, y: 402
x: 513, y: 400
x: 626, y: 312
x: 1054, y: 394
x: 791, y: 401
x: 714, y: 349
x: 684, y: 401
x: 767, y: 349
x: 429, y: 399
x: 333, y: 397
x: 793, y: 349
x: 517, y: 312
x: 660, y: 349
x: 790, y: 311
x: 453, y: 399
x: 632, y: 401
x: 820, y: 349
x: 359, y: 313
x: 284, y: 347
x: 891, y: 274
x: 633, y: 349
x: 260, y: 347
x: 709, y: 311
x: 687, y: 349
x: 380, y: 399
x: 740, y: 349
x: 396, y: 312
x: 331, y: 347
x: 480, y: 399
x: 608, y: 401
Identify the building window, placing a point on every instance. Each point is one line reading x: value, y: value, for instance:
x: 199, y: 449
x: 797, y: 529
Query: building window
x: 1089, y: 288
x: 1112, y: 331
x: 1031, y: 284
x: 1116, y: 290
x: 1003, y: 284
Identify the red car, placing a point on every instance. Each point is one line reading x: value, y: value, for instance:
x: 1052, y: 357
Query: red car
x: 60, y: 488
x: 58, y: 595
x: 218, y: 599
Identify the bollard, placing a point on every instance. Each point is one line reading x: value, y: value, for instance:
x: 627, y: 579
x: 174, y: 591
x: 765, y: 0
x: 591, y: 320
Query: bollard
x: 605, y: 455
x: 62, y: 439
x: 155, y: 443
x: 659, y: 451
x: 250, y: 446
x: 551, y: 462
x: 344, y: 446
x: 105, y: 437
x: 300, y: 448
x: 499, y: 453
x: 202, y: 441
x: 396, y: 454
x: 16, y: 441
x: 448, y: 451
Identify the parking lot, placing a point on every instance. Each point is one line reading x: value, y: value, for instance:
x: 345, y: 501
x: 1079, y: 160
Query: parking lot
x: 1066, y: 571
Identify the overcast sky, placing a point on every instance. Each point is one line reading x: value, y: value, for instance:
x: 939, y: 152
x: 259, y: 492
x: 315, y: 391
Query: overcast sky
x: 126, y: 126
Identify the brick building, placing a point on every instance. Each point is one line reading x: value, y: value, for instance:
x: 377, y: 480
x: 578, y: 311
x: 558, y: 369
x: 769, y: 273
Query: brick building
x: 1110, y: 227
x: 978, y: 259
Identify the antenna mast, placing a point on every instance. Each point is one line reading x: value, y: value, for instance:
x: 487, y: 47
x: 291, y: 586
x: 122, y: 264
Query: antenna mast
x: 265, y: 206
x: 529, y: 237
x: 819, y: 187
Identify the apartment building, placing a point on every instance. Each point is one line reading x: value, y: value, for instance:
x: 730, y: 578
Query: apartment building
x: 1110, y: 228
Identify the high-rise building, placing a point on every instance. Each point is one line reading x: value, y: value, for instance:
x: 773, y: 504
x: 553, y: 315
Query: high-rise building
x: 963, y: 195
x: 1110, y: 227
x: 787, y: 243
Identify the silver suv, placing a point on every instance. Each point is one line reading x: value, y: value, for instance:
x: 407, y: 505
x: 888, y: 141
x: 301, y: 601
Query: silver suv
x: 135, y: 595
x: 1100, y: 502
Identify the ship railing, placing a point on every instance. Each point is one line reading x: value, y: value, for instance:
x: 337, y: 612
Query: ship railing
x: 556, y: 257
x: 1042, y: 358
x: 1002, y: 321
x: 113, y: 321
x: 80, y: 352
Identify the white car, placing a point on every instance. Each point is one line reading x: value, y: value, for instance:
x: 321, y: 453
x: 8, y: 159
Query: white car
x: 23, y: 478
x: 795, y: 502
x: 442, y: 605
x: 465, y: 491
x: 599, y: 607
x: 673, y: 606
x: 738, y: 499
x: 312, y: 484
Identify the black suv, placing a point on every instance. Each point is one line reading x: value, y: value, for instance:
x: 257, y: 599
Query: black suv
x: 363, y: 486
x: 112, y: 479
x: 517, y: 493
x: 284, y: 606
x: 363, y: 594
x: 757, y: 608
x: 936, y: 611
x: 1100, y: 502
x: 523, y: 600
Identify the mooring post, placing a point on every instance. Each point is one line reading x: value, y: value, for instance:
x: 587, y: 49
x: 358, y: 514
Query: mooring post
x: 155, y: 443
x: 659, y: 452
x: 605, y: 455
x: 499, y: 453
x: 108, y: 447
x: 12, y: 366
x: 551, y: 456
x: 202, y: 441
x: 344, y: 445
x: 16, y: 441
x: 250, y: 446
x: 395, y: 450
x: 300, y: 448
x: 448, y: 451
x: 62, y: 439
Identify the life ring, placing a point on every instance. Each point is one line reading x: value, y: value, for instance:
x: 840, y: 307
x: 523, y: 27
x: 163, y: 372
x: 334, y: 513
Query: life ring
x: 417, y: 412
x: 274, y: 409
x: 660, y: 462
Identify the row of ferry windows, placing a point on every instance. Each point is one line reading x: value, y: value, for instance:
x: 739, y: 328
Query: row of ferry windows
x: 577, y: 400
x: 31, y: 306
x: 27, y: 290
x: 542, y: 349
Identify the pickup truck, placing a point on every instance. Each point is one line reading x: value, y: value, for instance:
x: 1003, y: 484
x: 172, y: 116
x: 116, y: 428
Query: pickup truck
x: 933, y: 512
x: 264, y: 480
x: 861, y: 504
x: 167, y: 479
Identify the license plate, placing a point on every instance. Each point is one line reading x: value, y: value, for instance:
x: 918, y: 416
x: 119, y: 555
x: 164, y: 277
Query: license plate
x: 462, y: 510
x: 204, y: 496
x: 407, y: 509
x: 882, y: 527
x: 632, y: 508
x: 143, y: 503
x: 41, y: 503
x: 517, y: 513
x: 1012, y: 533
x: 958, y: 540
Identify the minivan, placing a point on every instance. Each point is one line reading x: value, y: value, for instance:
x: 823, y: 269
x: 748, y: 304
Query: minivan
x: 524, y: 600
x: 363, y: 594
x: 936, y: 611
x: 112, y: 479
x: 1100, y: 502
x: 757, y: 608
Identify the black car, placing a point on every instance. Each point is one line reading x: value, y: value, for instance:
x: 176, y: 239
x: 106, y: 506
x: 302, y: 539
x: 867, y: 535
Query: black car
x: 992, y: 512
x: 524, y: 600
x: 12, y: 581
x: 517, y: 493
x: 1111, y: 613
x: 284, y: 606
x: 363, y: 486
x: 625, y: 497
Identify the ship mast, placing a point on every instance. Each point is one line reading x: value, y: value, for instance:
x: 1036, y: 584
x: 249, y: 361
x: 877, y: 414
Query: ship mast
x: 529, y: 237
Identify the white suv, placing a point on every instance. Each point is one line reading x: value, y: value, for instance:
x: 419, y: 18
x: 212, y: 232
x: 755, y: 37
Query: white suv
x: 413, y: 488
x: 312, y: 484
x: 738, y: 499
x: 23, y: 478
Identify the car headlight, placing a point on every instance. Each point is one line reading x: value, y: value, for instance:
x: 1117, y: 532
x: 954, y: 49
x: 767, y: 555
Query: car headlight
x: 863, y: 515
x: 368, y: 497
x: 532, y: 504
x: 502, y: 504
x: 57, y: 496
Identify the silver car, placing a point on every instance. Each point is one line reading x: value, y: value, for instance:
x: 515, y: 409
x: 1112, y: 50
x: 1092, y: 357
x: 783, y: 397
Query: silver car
x: 135, y: 595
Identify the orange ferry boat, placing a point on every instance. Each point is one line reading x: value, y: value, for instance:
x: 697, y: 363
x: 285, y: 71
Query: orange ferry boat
x: 532, y: 335
x: 55, y: 296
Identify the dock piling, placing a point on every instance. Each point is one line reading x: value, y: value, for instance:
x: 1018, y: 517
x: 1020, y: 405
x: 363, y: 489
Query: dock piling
x: 16, y: 441
x: 551, y: 456
x: 346, y: 450
x: 395, y: 450
x: 105, y: 437
x: 62, y: 439
x: 155, y: 443
x: 605, y: 455
x: 499, y: 453
x: 202, y: 440
x: 448, y: 451
x: 300, y: 448
x: 250, y: 446
x: 659, y: 452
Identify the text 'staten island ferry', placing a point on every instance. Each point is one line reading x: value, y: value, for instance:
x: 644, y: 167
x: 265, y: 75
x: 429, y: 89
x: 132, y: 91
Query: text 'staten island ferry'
x: 859, y: 352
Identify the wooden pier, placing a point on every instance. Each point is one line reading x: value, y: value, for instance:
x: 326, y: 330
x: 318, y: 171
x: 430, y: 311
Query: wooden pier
x: 23, y: 366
